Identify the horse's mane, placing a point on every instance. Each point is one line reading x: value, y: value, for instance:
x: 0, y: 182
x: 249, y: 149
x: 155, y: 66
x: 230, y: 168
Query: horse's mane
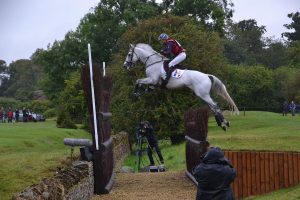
x: 145, y: 46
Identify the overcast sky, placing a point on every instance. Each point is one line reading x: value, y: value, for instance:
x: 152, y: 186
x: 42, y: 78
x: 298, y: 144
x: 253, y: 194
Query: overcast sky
x: 26, y: 25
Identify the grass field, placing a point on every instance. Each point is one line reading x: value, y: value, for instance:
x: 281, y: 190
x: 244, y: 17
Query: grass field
x: 31, y: 151
x: 254, y: 131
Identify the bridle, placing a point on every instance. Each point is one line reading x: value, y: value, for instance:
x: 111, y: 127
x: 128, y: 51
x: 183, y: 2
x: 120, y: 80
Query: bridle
x: 130, y: 63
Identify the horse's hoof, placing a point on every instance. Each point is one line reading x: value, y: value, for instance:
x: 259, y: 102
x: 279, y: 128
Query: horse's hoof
x: 136, y: 95
x: 224, y: 127
x: 228, y: 124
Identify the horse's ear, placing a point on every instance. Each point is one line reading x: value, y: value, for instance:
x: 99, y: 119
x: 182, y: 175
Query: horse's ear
x: 130, y: 45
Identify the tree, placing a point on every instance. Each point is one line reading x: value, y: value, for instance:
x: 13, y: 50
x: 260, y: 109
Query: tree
x: 293, y: 54
x: 293, y: 36
x: 243, y: 43
x: 102, y: 28
x: 252, y: 86
x: 24, y: 76
x: 4, y: 77
x: 211, y: 14
x: 274, y: 54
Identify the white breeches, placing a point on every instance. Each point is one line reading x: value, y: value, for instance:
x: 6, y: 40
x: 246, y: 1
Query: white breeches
x: 178, y: 59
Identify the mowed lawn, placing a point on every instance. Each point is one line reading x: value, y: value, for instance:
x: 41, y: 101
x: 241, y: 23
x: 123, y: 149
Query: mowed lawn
x: 30, y: 152
x: 252, y: 131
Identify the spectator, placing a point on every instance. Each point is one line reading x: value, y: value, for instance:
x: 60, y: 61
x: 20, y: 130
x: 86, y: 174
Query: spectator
x: 285, y: 108
x: 293, y: 108
x: 24, y: 114
x: 10, y: 115
x: 2, y: 114
x: 17, y: 115
x: 298, y: 107
x: 214, y: 175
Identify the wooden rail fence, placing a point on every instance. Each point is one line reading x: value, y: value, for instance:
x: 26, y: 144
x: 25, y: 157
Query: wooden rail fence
x: 258, y: 172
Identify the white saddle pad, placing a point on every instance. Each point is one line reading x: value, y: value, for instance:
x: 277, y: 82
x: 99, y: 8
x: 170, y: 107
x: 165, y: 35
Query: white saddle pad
x: 177, y: 73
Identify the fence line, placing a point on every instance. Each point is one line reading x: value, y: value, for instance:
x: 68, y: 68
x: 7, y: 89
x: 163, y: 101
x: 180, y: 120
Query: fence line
x: 260, y: 172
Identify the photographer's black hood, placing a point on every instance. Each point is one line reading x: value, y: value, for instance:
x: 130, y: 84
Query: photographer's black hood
x: 215, y: 156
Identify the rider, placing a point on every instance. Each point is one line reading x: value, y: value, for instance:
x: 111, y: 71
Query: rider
x: 172, y: 48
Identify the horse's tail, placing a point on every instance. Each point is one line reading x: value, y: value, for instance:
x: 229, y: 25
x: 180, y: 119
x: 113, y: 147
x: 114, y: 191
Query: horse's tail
x: 220, y: 89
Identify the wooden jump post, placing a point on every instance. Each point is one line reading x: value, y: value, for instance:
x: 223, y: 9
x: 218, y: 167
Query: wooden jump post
x: 97, y: 90
x: 195, y: 121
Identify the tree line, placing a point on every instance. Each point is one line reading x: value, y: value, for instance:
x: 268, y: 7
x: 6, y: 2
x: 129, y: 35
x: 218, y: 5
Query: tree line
x: 259, y: 72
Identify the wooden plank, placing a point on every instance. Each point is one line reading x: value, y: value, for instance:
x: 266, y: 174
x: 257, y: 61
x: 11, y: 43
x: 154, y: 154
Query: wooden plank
x: 249, y: 173
x: 244, y: 168
x: 267, y: 171
x: 240, y: 176
x: 230, y: 158
x: 257, y: 173
x: 262, y: 172
x: 226, y: 153
x: 286, y: 170
x: 276, y: 171
x: 295, y: 168
x: 235, y: 183
x: 290, y: 168
x: 253, y: 174
x: 298, y: 156
x: 272, y: 174
x: 281, y: 170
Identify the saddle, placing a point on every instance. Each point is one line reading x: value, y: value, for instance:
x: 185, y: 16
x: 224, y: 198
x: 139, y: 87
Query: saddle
x: 166, y: 66
x: 175, y: 71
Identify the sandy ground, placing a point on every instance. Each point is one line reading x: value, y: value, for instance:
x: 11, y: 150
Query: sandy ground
x: 151, y: 186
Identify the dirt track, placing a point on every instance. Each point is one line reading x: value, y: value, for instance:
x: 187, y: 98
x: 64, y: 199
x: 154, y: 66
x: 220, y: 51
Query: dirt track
x: 151, y: 186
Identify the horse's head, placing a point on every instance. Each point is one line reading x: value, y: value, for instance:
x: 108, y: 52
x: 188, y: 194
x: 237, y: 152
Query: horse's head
x: 131, y: 57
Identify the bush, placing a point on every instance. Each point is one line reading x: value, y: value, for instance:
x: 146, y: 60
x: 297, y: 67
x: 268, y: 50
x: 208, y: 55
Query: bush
x: 64, y: 119
x: 40, y: 106
x: 10, y: 102
x: 50, y: 113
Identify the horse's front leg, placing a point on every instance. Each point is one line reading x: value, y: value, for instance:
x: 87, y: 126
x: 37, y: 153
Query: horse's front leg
x: 140, y: 82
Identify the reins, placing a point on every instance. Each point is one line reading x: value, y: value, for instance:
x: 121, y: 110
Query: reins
x: 147, y: 58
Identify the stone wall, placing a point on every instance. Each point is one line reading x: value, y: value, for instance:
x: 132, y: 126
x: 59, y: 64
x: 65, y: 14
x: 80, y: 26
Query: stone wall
x: 121, y: 149
x: 77, y: 181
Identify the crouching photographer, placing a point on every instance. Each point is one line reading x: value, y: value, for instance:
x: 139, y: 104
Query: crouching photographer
x: 145, y: 129
x: 214, y: 176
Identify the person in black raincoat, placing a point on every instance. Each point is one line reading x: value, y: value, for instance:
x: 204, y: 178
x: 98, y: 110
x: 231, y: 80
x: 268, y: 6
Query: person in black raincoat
x: 214, y: 175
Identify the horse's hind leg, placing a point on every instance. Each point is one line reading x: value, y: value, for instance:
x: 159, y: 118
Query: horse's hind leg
x: 221, y: 121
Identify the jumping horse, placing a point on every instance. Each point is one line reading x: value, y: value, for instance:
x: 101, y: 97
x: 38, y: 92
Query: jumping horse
x: 197, y: 81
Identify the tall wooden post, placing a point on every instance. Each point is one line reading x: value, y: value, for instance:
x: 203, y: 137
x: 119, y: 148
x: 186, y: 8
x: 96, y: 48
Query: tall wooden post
x: 103, y: 156
x: 196, y: 125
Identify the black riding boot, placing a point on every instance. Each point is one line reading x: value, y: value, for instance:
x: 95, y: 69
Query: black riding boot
x: 165, y: 81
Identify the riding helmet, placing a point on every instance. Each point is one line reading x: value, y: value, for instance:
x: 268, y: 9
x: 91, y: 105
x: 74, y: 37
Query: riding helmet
x: 163, y: 36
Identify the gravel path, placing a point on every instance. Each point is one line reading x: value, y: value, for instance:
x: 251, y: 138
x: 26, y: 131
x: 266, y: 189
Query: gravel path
x: 151, y: 186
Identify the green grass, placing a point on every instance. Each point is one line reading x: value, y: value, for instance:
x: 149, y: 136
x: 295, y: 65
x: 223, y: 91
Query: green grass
x: 254, y: 131
x: 30, y: 152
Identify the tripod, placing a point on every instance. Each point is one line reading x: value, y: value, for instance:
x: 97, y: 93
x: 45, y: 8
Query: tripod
x: 142, y: 145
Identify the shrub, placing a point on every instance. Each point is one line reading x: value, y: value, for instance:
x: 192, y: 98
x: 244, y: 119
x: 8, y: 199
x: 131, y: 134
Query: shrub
x: 64, y: 119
